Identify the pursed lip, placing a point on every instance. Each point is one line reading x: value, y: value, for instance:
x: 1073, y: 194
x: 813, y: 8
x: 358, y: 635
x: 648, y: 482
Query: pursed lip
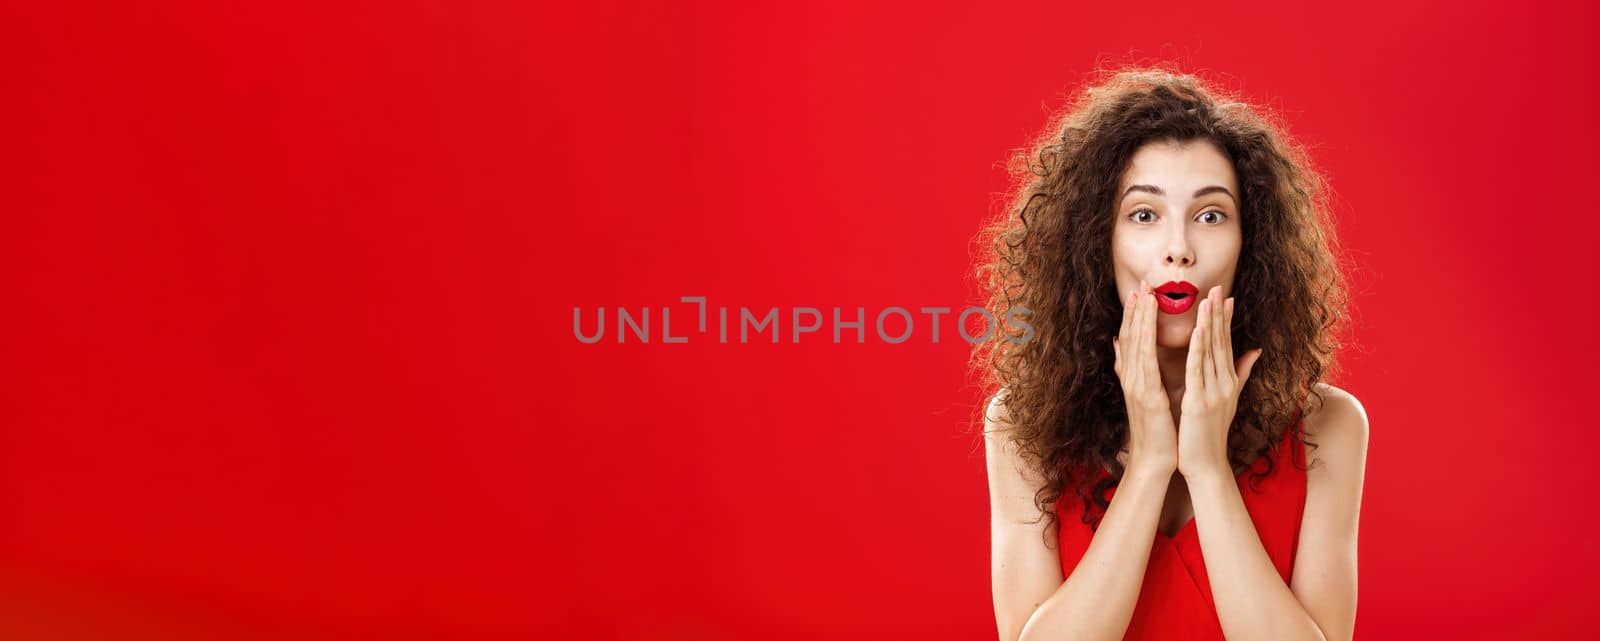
x: 1182, y: 296
x: 1178, y: 287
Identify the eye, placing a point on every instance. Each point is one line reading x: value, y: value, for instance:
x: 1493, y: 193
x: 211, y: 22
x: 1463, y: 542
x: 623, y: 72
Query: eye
x: 1220, y: 216
x: 1142, y: 210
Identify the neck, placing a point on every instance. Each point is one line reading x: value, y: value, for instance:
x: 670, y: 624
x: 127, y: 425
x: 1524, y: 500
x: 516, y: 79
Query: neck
x: 1173, y: 363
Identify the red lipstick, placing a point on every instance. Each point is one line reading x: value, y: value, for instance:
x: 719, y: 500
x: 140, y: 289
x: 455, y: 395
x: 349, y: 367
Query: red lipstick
x: 1176, y: 297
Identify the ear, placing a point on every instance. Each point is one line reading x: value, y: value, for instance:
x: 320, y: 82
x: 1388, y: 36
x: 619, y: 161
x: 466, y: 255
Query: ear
x: 1246, y: 364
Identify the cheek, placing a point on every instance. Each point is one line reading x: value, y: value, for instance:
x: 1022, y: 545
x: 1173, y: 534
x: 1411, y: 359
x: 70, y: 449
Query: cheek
x: 1132, y: 262
x: 1126, y: 274
x: 1131, y: 258
x: 1233, y: 247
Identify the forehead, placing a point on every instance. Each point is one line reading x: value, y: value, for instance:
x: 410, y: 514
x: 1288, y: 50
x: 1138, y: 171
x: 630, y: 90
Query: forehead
x: 1179, y: 167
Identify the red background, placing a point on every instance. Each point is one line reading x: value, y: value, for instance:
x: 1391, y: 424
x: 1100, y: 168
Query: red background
x: 289, y: 348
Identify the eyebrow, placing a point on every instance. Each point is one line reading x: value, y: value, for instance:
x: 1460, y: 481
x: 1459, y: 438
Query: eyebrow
x: 1161, y: 192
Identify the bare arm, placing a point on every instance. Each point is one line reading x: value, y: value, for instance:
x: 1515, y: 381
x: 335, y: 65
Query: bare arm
x: 1252, y: 601
x: 1324, y: 577
x: 1032, y: 601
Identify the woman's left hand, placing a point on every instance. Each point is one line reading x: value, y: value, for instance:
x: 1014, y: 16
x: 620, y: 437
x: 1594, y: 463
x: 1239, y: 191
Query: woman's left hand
x: 1212, y: 382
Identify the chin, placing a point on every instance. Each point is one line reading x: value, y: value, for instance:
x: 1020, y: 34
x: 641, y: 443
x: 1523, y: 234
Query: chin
x: 1165, y: 339
x: 1174, y: 337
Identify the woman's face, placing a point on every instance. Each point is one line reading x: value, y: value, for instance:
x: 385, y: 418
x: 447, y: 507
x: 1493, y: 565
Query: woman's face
x: 1177, y: 222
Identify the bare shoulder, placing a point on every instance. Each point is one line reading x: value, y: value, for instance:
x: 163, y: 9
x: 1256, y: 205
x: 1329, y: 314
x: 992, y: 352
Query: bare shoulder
x: 1339, y: 428
x: 1325, y: 566
x: 999, y: 433
x: 1024, y: 568
x: 997, y: 427
x: 995, y: 416
x: 1012, y: 479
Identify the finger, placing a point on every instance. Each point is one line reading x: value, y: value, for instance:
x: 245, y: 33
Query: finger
x: 1208, y: 369
x: 1132, y: 331
x: 1129, y: 303
x: 1141, y: 314
x: 1221, y: 361
x: 1152, y: 370
x: 1227, y: 336
x: 1193, y: 381
x: 1122, y: 329
x: 1204, y: 320
x: 1127, y: 309
x: 1135, y: 340
x: 1247, y: 365
x: 1130, y: 340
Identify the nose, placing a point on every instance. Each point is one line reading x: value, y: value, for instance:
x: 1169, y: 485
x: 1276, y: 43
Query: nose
x: 1178, y: 252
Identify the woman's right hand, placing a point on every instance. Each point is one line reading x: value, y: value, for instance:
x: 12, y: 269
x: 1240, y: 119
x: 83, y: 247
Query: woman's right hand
x: 1152, y: 436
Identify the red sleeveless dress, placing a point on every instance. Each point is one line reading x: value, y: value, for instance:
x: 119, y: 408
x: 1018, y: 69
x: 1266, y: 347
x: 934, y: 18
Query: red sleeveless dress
x: 1175, y: 601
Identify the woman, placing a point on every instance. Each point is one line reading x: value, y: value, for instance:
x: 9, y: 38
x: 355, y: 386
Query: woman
x: 1146, y: 447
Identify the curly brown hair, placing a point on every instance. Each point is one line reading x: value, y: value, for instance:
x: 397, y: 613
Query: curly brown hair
x: 1049, y: 253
